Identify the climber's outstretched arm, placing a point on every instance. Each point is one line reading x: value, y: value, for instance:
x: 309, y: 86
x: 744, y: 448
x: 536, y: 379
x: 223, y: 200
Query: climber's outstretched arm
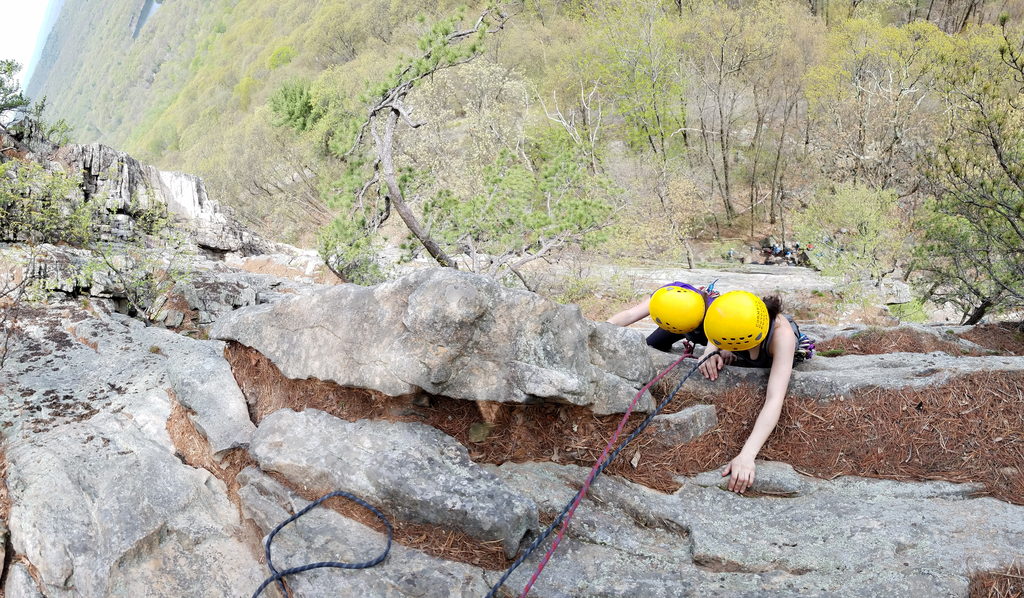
x: 741, y: 468
x: 633, y: 314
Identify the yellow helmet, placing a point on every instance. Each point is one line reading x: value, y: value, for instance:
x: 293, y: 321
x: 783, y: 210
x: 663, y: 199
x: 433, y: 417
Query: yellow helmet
x: 736, y: 321
x: 677, y: 307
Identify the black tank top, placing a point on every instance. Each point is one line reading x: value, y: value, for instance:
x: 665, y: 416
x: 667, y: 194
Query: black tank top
x: 764, y: 359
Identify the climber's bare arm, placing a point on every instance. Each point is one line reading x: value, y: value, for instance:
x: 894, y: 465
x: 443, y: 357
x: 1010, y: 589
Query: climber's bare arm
x: 633, y: 314
x: 741, y: 468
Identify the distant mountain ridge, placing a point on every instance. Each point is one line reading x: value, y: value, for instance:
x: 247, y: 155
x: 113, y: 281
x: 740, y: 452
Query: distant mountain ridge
x: 53, y: 11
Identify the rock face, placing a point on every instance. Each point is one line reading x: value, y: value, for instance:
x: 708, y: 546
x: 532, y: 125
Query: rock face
x: 847, y: 537
x: 129, y: 188
x: 827, y: 378
x: 91, y: 530
x: 448, y: 333
x: 100, y: 504
x: 412, y: 469
x: 323, y: 533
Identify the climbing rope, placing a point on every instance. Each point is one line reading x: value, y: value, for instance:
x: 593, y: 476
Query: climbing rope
x: 278, y: 576
x: 607, y: 456
x: 602, y: 463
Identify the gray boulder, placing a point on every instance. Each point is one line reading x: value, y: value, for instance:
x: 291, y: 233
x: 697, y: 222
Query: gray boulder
x: 100, y: 504
x: 102, y: 508
x: 827, y: 378
x: 685, y: 425
x: 847, y: 537
x: 323, y: 534
x: 412, y: 469
x: 449, y: 333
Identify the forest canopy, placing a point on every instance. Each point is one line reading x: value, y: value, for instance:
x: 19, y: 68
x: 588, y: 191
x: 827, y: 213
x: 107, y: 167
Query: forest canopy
x: 887, y: 133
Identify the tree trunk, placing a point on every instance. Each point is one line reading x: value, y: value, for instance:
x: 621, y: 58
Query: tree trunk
x: 385, y: 149
x: 978, y: 313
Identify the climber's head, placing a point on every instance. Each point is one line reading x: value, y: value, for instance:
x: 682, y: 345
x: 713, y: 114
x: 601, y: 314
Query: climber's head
x: 677, y: 307
x: 736, y: 321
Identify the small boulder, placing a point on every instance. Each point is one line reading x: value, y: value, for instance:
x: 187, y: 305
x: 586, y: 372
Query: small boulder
x: 684, y: 426
x: 411, y: 469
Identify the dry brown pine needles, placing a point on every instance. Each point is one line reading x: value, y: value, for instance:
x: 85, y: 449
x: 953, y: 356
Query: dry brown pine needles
x: 970, y: 430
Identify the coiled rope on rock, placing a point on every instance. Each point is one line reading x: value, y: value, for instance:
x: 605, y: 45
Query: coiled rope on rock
x: 278, y: 576
x: 602, y: 463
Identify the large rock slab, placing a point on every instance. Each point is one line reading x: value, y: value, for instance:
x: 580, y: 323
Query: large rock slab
x: 847, y: 537
x: 68, y: 364
x: 412, y: 469
x: 448, y: 333
x: 104, y: 508
x: 101, y: 504
x: 323, y: 534
x: 827, y: 378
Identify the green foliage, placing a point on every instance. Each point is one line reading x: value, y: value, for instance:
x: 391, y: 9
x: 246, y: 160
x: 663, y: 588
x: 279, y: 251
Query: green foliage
x: 280, y: 57
x: 42, y: 206
x: 526, y: 207
x: 973, y: 251
x: 11, y: 97
x: 33, y: 125
x: 292, y: 106
x: 350, y: 251
x: 910, y: 312
x: 437, y: 52
x: 244, y: 91
x: 144, y: 272
x: 634, y: 50
x: 858, y: 232
x: 597, y: 296
x: 868, y: 98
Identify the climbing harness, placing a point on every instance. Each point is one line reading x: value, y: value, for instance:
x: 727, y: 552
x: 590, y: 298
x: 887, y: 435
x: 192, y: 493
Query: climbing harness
x: 602, y: 463
x: 278, y: 576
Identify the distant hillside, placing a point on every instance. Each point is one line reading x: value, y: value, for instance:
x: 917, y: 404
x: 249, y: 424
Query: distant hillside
x: 187, y: 93
x: 703, y: 127
x: 53, y: 11
x: 96, y: 77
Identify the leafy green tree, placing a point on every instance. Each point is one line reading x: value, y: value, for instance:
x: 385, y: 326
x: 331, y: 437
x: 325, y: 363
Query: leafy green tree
x: 11, y: 97
x: 953, y: 266
x: 873, y: 101
x: 858, y: 232
x: 42, y: 206
x: 292, y: 106
x: 975, y: 251
x: 365, y: 139
x: 529, y: 208
x: 280, y: 57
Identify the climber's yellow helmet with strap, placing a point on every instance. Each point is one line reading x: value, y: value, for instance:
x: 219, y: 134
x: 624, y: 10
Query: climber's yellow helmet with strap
x: 736, y: 321
x: 677, y: 307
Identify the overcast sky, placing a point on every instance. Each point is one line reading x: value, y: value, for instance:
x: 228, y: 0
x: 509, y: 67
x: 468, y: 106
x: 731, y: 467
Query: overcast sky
x: 22, y: 20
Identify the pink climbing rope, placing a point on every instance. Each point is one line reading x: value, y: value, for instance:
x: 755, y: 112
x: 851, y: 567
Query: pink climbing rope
x: 597, y: 466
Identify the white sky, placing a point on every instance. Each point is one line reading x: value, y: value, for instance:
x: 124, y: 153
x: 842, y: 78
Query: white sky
x: 22, y: 20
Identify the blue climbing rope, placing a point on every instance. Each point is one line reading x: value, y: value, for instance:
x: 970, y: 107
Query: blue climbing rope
x: 611, y: 457
x: 278, y: 576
